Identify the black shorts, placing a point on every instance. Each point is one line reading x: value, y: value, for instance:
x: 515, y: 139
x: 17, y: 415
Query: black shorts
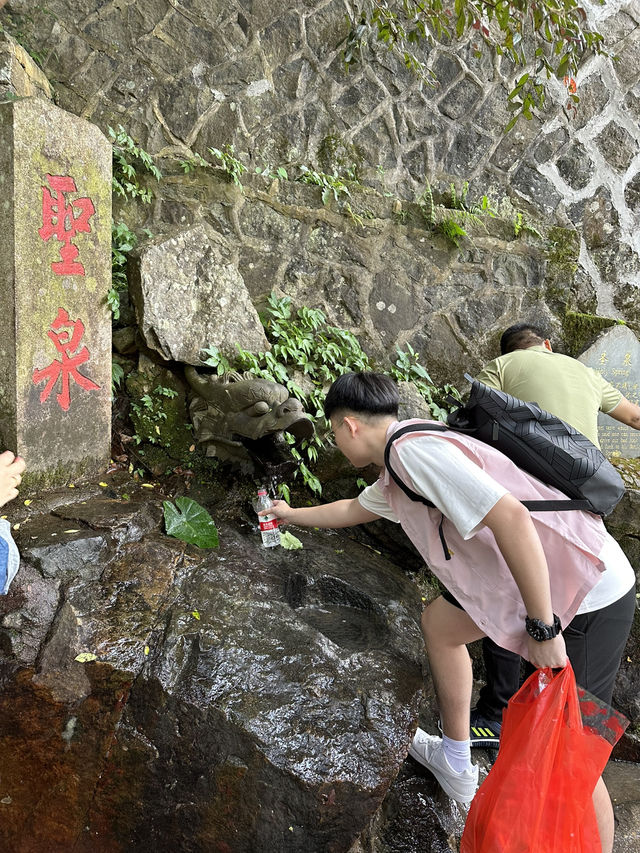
x: 595, y: 643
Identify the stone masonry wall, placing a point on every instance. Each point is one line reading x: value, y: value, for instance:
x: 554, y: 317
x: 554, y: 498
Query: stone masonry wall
x: 185, y: 75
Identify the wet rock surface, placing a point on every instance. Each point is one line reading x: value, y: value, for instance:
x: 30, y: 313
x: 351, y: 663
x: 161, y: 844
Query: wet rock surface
x: 240, y: 698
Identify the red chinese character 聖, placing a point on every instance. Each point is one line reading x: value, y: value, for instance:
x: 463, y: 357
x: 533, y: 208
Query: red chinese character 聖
x: 59, y: 221
x: 66, y: 342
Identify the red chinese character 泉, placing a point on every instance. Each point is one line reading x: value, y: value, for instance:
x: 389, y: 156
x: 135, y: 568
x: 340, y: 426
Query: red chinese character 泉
x: 59, y: 221
x: 66, y: 341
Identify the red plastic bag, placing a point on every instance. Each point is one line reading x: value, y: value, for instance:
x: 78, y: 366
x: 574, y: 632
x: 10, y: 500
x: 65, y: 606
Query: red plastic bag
x: 555, y: 742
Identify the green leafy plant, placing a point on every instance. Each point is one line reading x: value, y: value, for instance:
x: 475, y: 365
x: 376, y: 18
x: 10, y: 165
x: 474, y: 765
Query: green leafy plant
x: 521, y: 226
x: 123, y: 240
x: 190, y: 522
x: 267, y: 172
x: 193, y: 163
x: 127, y: 156
x: 305, y: 349
x: 545, y: 38
x: 148, y: 414
x: 284, y: 492
x: 331, y: 185
x: 407, y: 368
x: 455, y: 213
x: 214, y: 358
x: 307, y: 355
x: 117, y: 375
x: 233, y: 168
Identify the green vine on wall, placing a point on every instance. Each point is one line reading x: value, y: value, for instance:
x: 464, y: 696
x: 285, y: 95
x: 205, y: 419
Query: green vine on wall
x: 306, y: 356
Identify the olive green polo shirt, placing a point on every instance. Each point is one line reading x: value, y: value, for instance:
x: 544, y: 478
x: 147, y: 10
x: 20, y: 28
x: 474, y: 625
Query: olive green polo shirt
x: 557, y: 383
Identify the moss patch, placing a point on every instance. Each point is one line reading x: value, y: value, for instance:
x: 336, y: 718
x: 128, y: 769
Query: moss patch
x: 581, y: 330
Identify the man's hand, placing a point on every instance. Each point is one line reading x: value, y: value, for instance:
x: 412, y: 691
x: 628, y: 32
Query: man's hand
x: 11, y: 468
x: 281, y: 510
x: 550, y: 653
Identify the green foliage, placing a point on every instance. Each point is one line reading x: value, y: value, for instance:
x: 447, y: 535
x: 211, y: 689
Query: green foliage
x: 407, y: 368
x: 123, y: 240
x: 193, y: 163
x: 331, y: 185
x: 232, y: 167
x: 190, y: 522
x: 521, y: 226
x: 546, y: 38
x: 216, y: 359
x: 454, y: 214
x: 267, y: 172
x: 148, y: 414
x: 22, y: 26
x: 289, y: 541
x: 127, y: 156
x: 117, y: 375
x: 308, y: 352
x: 284, y: 492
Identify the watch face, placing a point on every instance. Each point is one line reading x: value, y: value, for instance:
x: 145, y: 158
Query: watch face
x: 540, y: 631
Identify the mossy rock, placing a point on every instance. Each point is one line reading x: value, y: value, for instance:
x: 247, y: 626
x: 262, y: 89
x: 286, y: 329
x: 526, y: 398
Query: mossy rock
x: 581, y: 330
x: 159, y: 411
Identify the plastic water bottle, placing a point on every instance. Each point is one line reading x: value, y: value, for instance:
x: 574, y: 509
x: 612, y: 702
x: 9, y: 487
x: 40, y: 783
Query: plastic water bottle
x: 268, y: 523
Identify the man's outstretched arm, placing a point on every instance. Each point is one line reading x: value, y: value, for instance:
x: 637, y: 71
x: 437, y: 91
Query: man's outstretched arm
x: 345, y: 513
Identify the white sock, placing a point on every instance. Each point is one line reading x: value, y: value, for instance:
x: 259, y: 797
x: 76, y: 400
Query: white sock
x: 457, y: 753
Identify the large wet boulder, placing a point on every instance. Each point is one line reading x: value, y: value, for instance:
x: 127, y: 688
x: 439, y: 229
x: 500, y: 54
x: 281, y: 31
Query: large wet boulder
x: 240, y: 699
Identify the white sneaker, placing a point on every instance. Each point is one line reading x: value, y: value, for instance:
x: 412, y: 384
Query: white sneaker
x: 427, y: 750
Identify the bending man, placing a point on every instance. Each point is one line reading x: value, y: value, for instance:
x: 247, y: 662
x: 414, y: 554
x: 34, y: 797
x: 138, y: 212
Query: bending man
x: 534, y: 574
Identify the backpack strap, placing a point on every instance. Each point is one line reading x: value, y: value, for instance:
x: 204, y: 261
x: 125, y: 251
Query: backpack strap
x: 414, y: 496
x: 425, y: 427
x: 557, y: 506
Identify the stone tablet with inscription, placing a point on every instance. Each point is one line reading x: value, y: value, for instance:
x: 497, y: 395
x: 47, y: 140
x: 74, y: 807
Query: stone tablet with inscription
x: 616, y: 355
x: 55, y: 272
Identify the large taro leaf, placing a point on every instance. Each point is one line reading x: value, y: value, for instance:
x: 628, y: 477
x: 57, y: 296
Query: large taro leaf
x: 190, y: 522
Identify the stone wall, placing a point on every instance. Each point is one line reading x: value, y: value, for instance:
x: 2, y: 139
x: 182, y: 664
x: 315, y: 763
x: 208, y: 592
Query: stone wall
x: 268, y: 78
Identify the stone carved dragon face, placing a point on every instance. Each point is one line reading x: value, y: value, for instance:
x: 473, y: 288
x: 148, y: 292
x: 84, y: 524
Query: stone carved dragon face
x: 245, y: 421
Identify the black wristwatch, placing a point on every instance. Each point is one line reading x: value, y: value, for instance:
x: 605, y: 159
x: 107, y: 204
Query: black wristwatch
x: 540, y: 631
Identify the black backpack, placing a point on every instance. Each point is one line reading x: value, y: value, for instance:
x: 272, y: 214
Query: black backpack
x: 538, y: 442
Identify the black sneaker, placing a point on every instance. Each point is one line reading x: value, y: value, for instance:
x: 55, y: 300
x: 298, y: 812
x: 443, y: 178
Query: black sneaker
x: 484, y: 733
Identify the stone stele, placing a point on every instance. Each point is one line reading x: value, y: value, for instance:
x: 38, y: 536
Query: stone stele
x: 616, y: 355
x: 55, y: 272
x: 189, y: 294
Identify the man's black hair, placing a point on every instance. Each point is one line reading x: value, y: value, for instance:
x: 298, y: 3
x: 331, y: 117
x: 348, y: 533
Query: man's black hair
x: 521, y: 336
x: 365, y: 393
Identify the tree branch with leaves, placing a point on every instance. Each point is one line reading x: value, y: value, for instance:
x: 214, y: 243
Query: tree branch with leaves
x: 545, y: 38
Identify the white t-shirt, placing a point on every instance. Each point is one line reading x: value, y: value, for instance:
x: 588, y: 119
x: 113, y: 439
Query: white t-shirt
x: 464, y: 493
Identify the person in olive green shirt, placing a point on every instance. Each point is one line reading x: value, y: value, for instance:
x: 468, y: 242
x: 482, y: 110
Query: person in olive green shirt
x: 529, y: 370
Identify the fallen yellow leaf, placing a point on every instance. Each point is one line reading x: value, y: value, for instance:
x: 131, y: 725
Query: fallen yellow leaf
x: 84, y: 657
x: 28, y: 503
x: 195, y: 614
x: 104, y: 485
x: 147, y: 650
x: 16, y: 526
x: 147, y: 485
x: 72, y: 530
